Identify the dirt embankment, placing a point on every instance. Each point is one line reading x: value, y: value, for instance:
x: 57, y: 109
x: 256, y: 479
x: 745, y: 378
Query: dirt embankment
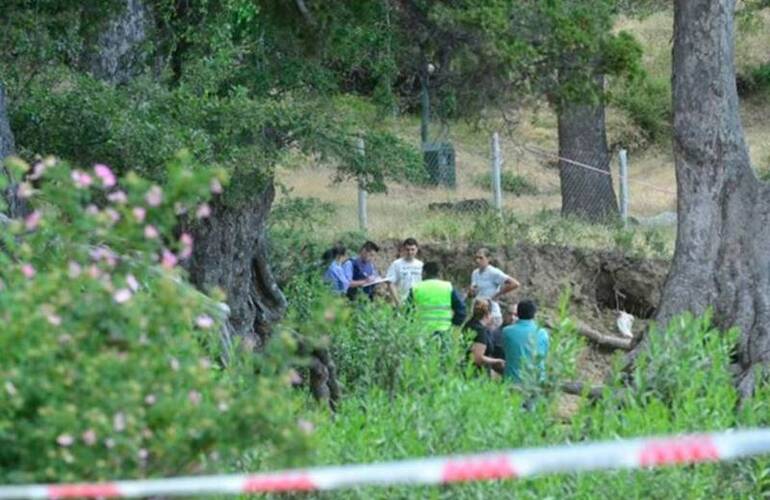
x: 601, y: 283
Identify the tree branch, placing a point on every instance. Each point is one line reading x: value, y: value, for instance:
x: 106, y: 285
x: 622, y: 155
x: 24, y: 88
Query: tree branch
x: 597, y: 336
x: 302, y: 7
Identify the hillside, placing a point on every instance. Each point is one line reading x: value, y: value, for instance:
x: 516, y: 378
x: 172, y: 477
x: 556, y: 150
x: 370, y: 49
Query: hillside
x: 404, y: 209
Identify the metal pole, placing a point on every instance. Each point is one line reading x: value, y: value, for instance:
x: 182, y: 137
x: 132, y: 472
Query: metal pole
x: 623, y: 185
x: 497, y: 161
x: 362, y: 222
x: 424, y: 107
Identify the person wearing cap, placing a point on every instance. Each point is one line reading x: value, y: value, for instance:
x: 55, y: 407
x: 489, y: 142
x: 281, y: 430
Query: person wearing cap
x: 437, y: 305
x: 525, y: 345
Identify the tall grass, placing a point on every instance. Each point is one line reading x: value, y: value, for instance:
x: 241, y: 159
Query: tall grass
x: 413, y: 396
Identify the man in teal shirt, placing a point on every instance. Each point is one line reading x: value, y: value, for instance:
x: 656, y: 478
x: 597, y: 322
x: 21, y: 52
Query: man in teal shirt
x: 525, y: 345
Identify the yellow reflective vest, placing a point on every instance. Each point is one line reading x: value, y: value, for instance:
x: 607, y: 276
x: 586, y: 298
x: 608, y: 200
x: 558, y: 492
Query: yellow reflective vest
x: 433, y: 305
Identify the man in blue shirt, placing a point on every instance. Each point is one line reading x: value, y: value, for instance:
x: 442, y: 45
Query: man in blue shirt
x: 362, y: 268
x: 525, y: 345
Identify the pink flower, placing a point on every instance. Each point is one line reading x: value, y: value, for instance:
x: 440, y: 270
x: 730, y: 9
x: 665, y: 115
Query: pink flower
x: 168, y: 260
x: 81, y: 179
x: 119, y: 421
x: 89, y: 437
x: 53, y: 318
x: 25, y: 190
x: 195, y: 397
x: 92, y: 210
x: 305, y: 426
x: 294, y: 377
x: 132, y: 283
x: 10, y: 388
x: 216, y: 186
x: 73, y: 269
x: 32, y: 221
x: 122, y: 296
x: 204, y: 210
x: 94, y: 271
x: 150, y: 232
x: 65, y: 440
x: 104, y: 173
x: 139, y: 213
x: 186, y: 242
x: 28, y: 271
x: 118, y: 197
x: 154, y: 196
x: 37, y: 171
x: 112, y: 214
x: 143, y: 454
x: 204, y: 321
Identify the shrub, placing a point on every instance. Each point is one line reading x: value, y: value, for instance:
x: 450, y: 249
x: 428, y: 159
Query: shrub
x: 110, y: 364
x: 510, y: 182
x: 648, y: 103
x: 683, y: 384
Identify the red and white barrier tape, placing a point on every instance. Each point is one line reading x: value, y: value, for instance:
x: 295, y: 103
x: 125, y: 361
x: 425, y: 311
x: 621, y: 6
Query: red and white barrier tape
x: 627, y: 454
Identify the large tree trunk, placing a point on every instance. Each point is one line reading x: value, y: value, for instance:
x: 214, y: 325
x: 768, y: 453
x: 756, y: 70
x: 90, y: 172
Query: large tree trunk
x: 723, y: 235
x: 15, y: 206
x: 118, y: 55
x: 586, y: 183
x: 231, y: 253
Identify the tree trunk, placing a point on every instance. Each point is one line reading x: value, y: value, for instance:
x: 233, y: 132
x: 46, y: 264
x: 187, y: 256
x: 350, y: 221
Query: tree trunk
x: 117, y: 56
x: 586, y: 183
x: 723, y: 233
x: 231, y: 253
x: 15, y: 206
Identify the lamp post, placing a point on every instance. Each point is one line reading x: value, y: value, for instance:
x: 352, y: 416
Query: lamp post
x: 425, y: 103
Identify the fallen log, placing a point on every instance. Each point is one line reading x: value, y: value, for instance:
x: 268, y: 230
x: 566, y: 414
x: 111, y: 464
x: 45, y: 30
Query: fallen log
x: 597, y: 336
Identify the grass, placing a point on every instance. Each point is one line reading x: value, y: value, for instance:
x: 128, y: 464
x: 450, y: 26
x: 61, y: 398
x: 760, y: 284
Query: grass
x: 407, y: 396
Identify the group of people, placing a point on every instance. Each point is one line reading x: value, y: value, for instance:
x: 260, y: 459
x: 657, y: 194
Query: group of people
x: 508, y: 342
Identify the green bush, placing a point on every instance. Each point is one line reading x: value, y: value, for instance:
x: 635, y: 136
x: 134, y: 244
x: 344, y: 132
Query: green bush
x: 756, y: 81
x: 648, y: 103
x: 510, y: 182
x: 110, y: 365
x: 682, y: 384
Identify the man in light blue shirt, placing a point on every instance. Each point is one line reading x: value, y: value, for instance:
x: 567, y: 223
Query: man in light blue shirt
x: 525, y: 345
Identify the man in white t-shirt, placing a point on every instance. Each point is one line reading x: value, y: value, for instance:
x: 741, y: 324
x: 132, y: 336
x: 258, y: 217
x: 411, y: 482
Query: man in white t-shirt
x: 489, y: 282
x: 404, y: 271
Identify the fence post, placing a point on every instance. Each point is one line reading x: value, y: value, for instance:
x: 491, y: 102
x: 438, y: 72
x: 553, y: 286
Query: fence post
x: 623, y: 186
x: 496, y: 167
x: 362, y: 221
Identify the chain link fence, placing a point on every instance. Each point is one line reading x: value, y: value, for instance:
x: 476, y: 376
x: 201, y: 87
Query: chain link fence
x: 501, y: 174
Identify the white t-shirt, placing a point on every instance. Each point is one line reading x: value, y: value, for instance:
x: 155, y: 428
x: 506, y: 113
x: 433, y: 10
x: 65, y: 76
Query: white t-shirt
x: 404, y: 275
x: 488, y: 283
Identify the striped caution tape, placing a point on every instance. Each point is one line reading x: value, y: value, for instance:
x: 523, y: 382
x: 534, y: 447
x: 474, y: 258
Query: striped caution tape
x: 620, y: 454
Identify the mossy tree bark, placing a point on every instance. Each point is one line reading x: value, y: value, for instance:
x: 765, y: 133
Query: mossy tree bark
x: 15, y: 206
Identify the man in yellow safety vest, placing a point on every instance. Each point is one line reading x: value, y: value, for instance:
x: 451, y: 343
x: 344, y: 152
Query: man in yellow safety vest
x: 437, y: 306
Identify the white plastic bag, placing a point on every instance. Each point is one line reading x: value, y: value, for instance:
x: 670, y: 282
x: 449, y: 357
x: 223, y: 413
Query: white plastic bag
x: 625, y: 322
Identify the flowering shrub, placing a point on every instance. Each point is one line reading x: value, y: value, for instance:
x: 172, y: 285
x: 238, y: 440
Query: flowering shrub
x: 109, y: 363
